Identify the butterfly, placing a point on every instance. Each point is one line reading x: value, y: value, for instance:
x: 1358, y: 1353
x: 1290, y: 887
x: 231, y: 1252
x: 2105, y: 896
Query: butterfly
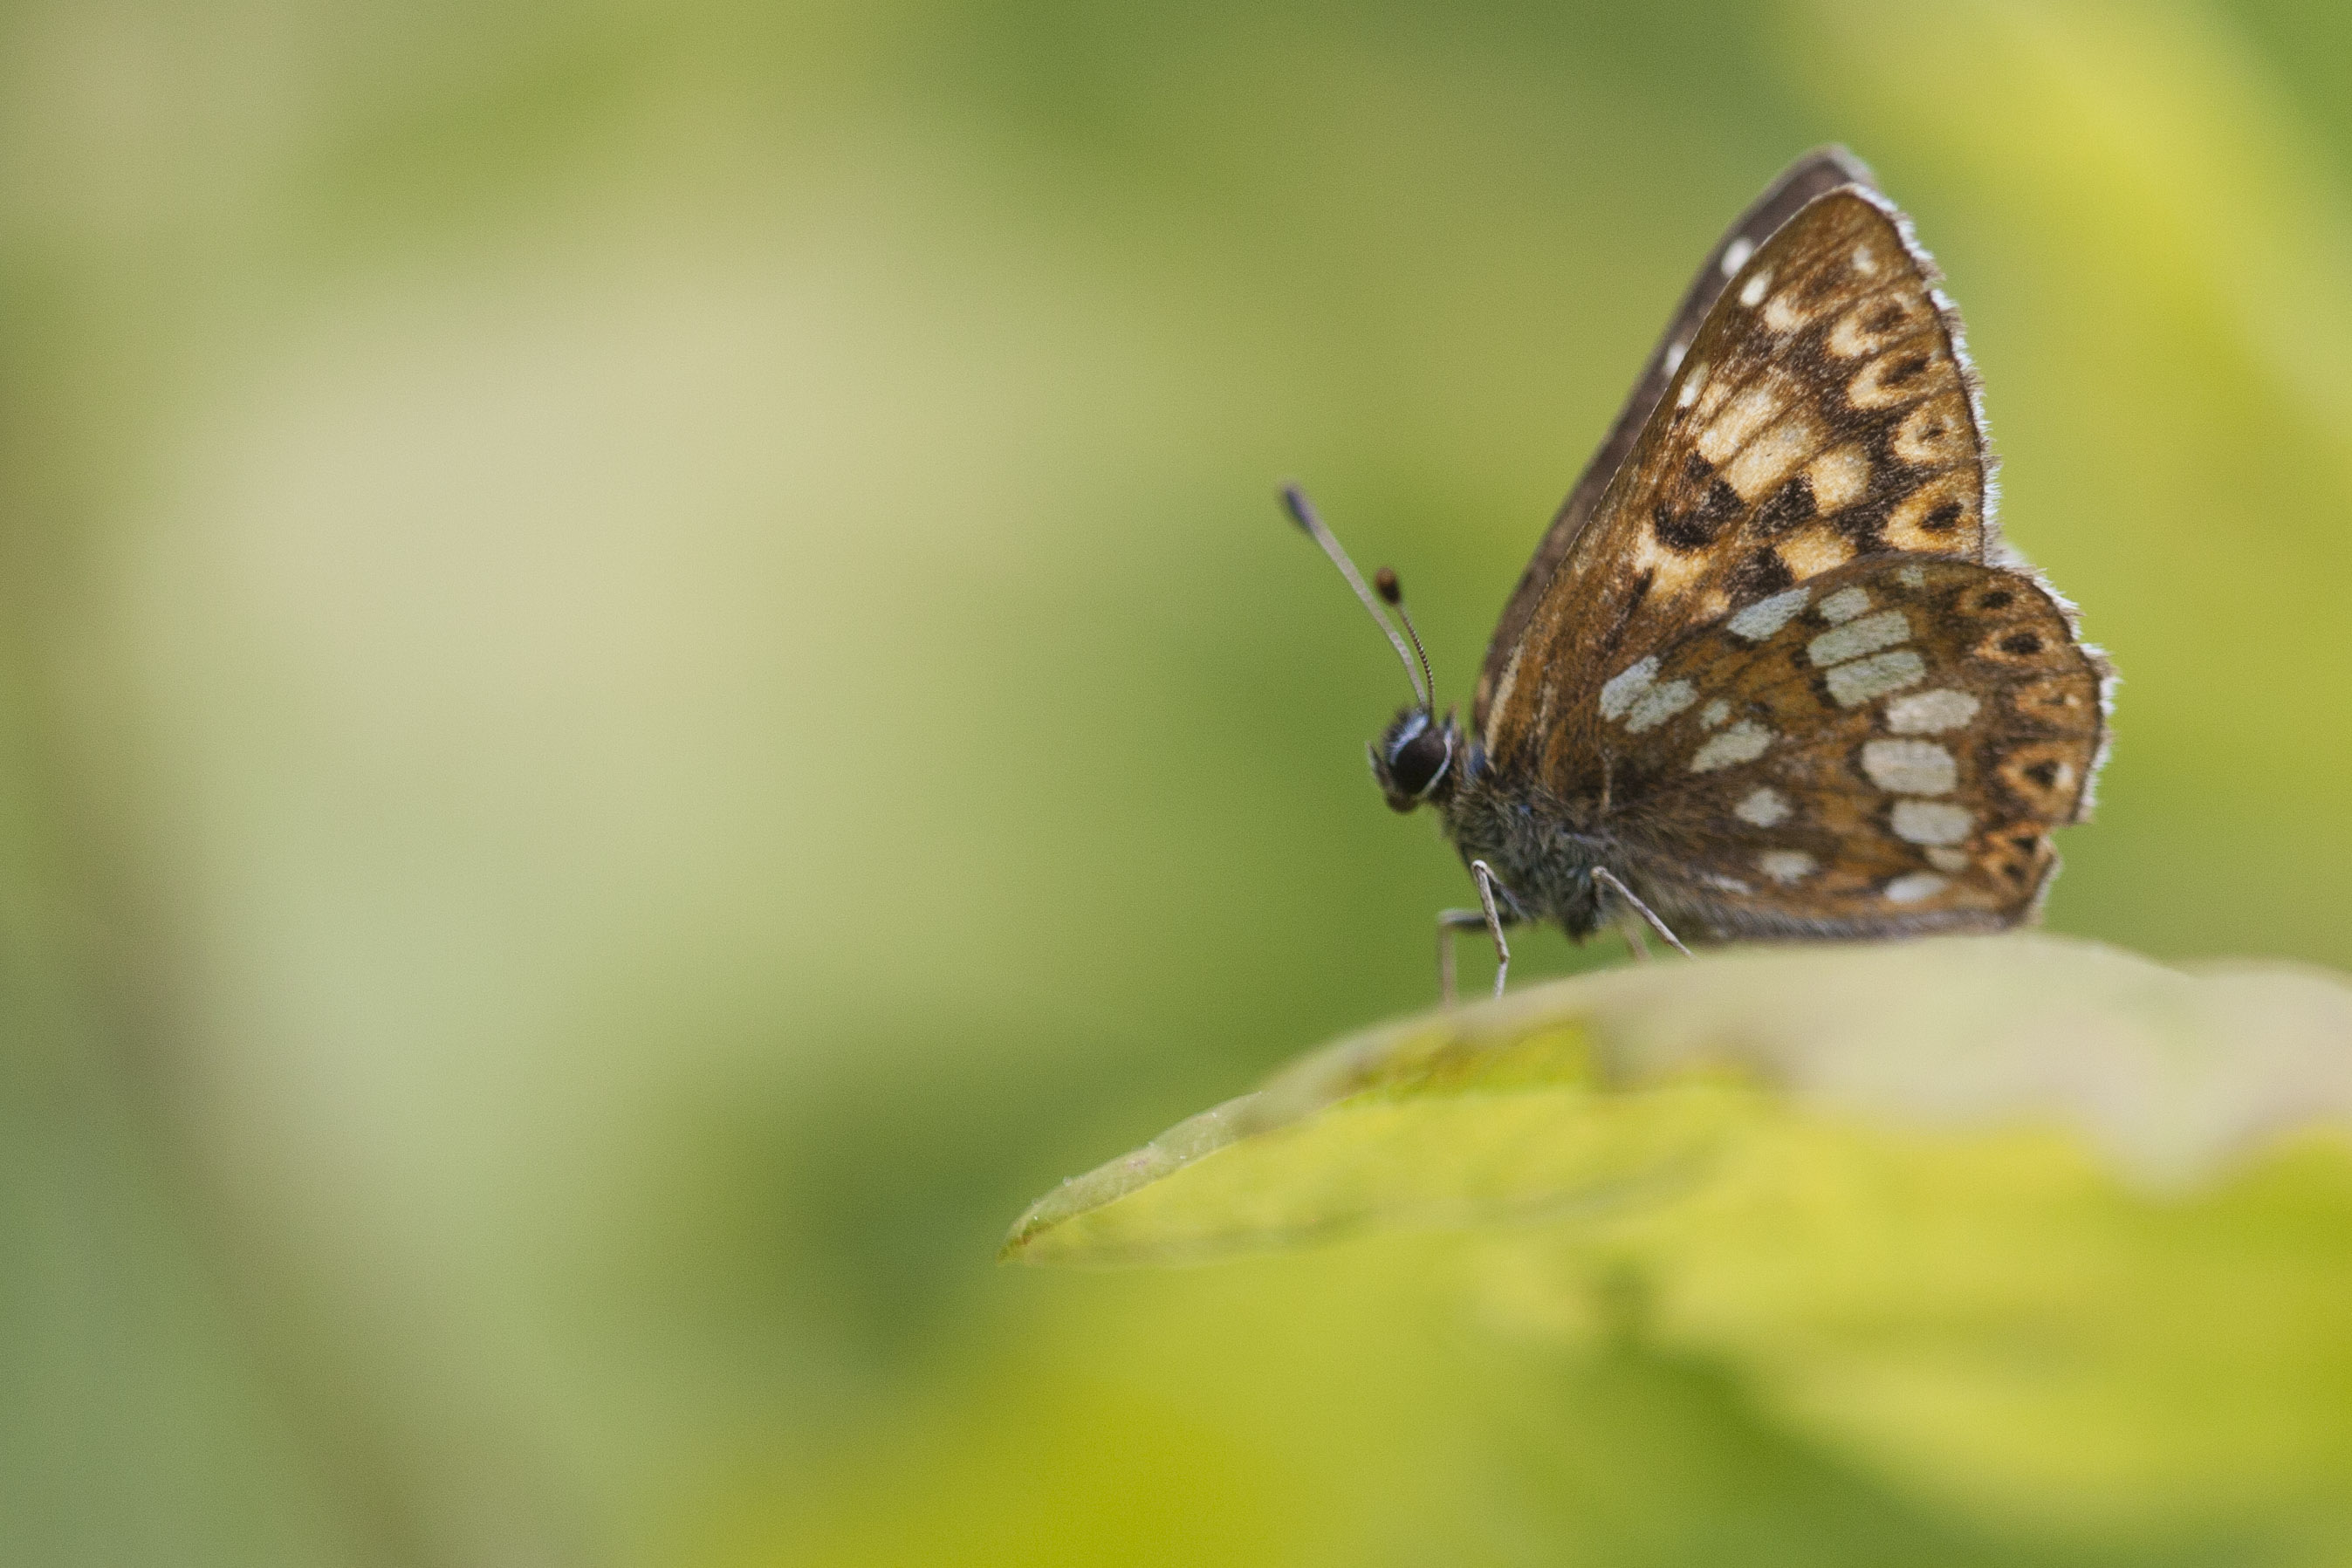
x: 1771, y: 672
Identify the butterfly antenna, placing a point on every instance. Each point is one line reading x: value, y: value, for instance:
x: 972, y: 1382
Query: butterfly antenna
x: 1391, y: 592
x: 1302, y: 512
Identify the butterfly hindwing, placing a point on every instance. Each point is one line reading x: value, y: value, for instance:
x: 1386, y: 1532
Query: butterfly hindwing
x: 1884, y: 748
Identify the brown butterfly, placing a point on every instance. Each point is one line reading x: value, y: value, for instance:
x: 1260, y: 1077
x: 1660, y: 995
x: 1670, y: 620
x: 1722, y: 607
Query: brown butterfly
x: 1771, y: 672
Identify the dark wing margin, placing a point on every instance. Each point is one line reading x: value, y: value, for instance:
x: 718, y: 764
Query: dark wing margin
x: 1815, y: 174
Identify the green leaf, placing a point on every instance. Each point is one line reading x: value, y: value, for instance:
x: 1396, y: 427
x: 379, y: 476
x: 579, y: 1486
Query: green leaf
x: 2050, y: 1231
x: 1638, y: 1087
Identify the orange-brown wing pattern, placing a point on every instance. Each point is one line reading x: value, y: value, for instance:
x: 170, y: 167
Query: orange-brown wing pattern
x: 1811, y: 176
x: 1884, y: 747
x: 1821, y: 414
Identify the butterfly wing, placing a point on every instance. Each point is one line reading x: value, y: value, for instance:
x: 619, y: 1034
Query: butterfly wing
x: 1882, y: 748
x: 1822, y: 413
x: 1815, y: 174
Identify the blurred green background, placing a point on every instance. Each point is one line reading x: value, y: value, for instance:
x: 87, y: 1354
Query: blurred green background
x: 649, y: 673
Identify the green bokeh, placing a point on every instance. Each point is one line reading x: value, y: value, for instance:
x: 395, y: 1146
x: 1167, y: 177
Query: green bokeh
x: 647, y: 674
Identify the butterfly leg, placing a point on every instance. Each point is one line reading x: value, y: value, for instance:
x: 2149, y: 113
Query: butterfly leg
x: 1609, y: 879
x: 1489, y: 915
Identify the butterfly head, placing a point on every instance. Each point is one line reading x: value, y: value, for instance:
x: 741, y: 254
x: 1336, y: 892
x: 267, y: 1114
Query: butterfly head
x: 1413, y: 760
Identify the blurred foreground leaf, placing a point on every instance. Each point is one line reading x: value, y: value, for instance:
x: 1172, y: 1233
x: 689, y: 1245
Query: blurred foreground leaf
x: 2045, y: 1230
x: 1639, y: 1086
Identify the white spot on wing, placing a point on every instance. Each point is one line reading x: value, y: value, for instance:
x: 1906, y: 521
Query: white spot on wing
x: 1911, y: 889
x: 1618, y: 692
x: 1764, y: 462
x: 1736, y: 255
x: 1766, y: 616
x: 1857, y: 682
x: 1750, y: 411
x: 1693, y: 385
x: 1783, y: 314
x: 1856, y: 638
x: 1930, y: 822
x: 1674, y: 352
x: 1909, y: 767
x: 1658, y: 704
x: 1765, y: 806
x: 1714, y: 713
x: 1844, y: 605
x: 1743, y: 742
x: 1950, y: 859
x: 1865, y: 261
x: 1785, y: 865
x: 1751, y: 293
x: 1911, y: 576
x: 1930, y: 713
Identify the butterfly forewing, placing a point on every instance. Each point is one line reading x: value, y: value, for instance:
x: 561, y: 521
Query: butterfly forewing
x: 1821, y: 414
x: 1884, y: 748
x: 1814, y: 175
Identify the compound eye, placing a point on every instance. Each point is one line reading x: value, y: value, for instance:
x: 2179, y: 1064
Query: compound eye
x: 1417, y: 761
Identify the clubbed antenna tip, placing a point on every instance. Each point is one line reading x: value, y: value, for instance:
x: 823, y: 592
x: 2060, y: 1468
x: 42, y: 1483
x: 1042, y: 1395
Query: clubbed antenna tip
x: 1302, y: 512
